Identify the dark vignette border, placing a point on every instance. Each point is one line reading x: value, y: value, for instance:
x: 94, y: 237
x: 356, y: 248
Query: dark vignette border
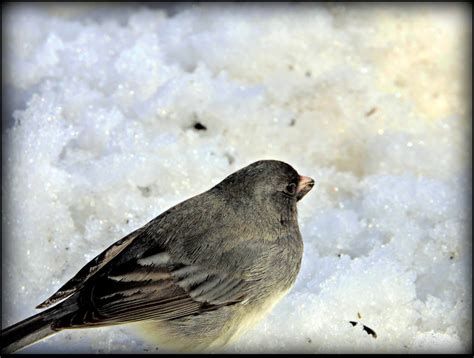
x: 171, y: 9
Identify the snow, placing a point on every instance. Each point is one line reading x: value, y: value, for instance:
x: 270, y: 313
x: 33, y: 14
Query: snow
x: 371, y: 101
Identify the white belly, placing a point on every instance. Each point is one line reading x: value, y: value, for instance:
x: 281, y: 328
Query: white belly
x: 167, y: 335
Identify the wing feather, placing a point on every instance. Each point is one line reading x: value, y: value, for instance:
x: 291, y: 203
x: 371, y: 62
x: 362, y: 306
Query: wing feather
x: 90, y: 270
x: 161, y: 290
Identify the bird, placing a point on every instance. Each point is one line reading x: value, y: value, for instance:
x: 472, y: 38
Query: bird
x: 194, y: 278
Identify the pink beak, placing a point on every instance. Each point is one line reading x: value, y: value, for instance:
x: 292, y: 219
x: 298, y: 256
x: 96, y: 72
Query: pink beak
x: 305, y: 184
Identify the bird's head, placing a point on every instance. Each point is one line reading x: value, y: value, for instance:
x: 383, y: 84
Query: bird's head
x: 268, y: 185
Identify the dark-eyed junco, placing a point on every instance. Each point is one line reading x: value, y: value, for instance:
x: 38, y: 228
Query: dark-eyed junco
x: 196, y: 276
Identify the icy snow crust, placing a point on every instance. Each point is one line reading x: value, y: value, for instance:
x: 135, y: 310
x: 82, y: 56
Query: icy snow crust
x: 369, y: 101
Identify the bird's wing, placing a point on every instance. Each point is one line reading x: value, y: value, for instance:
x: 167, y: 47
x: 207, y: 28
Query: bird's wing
x: 154, y: 288
x: 117, y: 252
x: 150, y: 274
x: 90, y: 269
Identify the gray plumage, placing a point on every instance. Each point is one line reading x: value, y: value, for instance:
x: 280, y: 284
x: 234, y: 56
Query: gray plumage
x: 197, y: 275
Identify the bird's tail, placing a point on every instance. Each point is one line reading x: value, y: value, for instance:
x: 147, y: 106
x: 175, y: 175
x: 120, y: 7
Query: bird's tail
x: 32, y: 329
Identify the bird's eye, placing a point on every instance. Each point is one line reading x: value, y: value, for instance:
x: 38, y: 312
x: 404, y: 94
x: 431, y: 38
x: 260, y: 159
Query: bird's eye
x: 291, y: 188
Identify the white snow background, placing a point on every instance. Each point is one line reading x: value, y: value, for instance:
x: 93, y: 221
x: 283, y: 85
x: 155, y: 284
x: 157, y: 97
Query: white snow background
x: 370, y: 101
